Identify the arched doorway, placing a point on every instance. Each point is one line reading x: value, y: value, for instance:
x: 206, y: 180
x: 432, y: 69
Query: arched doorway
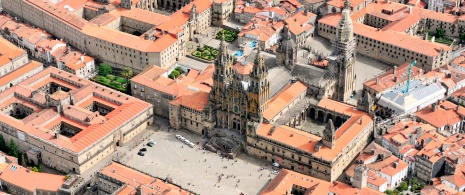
x: 329, y: 116
x: 311, y: 113
x: 321, y: 116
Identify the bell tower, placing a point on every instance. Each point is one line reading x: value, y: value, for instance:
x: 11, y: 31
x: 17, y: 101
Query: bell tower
x: 259, y: 87
x: 360, y: 176
x: 343, y: 59
x: 329, y: 134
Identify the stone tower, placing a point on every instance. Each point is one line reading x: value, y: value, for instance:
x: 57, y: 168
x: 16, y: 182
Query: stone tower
x: 342, y: 62
x: 192, y: 22
x: 126, y: 4
x: 365, y: 103
x: 360, y: 176
x: 329, y: 134
x: 286, y: 53
x: 222, y: 77
x: 259, y: 89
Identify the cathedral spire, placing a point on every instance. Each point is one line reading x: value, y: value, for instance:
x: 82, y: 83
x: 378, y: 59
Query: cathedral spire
x: 259, y: 63
x: 347, y: 4
x: 223, y: 56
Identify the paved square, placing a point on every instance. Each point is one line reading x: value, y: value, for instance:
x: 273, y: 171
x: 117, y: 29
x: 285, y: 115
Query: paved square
x: 187, y: 166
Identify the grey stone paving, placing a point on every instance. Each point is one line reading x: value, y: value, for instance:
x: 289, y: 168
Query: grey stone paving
x: 196, y: 169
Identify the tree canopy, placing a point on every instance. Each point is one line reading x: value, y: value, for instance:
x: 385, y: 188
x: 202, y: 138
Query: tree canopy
x: 104, y: 69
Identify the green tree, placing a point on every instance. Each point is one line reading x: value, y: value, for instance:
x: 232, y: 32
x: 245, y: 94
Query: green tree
x: 390, y: 192
x: 35, y: 169
x: 403, y: 186
x: 440, y: 33
x: 462, y: 37
x: 23, y: 161
x: 13, y: 149
x: 3, y: 144
x: 126, y: 73
x: 104, y: 69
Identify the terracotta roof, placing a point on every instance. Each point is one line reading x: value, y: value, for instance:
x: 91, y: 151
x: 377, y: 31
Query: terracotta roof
x: 281, y: 100
x: 6, y: 79
x: 387, y: 79
x: 29, y: 180
x: 127, y: 107
x: 287, y: 179
x: 196, y: 101
x: 399, y: 39
x: 9, y: 52
x: 133, y: 179
x: 300, y: 22
x: 342, y: 188
x: 61, y: 14
x: 445, y: 114
x: 243, y: 69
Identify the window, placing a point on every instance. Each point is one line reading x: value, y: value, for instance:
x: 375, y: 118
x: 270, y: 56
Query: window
x: 236, y: 109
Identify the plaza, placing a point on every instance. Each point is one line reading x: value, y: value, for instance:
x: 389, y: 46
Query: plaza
x: 195, y: 169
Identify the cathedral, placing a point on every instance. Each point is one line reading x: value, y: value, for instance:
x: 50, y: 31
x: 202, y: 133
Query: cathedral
x: 235, y: 98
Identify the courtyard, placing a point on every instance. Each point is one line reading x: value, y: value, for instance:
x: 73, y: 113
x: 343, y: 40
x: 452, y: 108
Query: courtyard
x: 196, y: 169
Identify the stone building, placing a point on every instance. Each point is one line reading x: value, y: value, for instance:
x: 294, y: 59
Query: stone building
x: 286, y: 54
x: 374, y: 23
x: 222, y: 11
x: 123, y: 37
x: 69, y: 123
x: 340, y: 77
x: 323, y: 155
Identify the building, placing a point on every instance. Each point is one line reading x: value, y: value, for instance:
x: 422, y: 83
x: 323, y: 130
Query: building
x: 182, y: 100
x: 387, y: 171
x: 410, y: 97
x: 324, y: 156
x: 223, y: 11
x: 340, y: 77
x: 70, y: 123
x: 286, y: 53
x: 53, y: 52
x: 15, y: 65
x: 390, y: 79
x: 379, y: 36
x: 119, y: 179
x: 455, y: 181
x: 445, y: 116
x: 16, y: 179
x: 290, y: 182
x: 429, y: 161
x: 123, y: 35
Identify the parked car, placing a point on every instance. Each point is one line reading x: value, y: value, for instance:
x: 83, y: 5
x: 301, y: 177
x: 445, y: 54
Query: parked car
x: 275, y: 165
x: 191, y: 145
x: 140, y: 153
x: 143, y: 149
x: 274, y: 172
x: 150, y: 144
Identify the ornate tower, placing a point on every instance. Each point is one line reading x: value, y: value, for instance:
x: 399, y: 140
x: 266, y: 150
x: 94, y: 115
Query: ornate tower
x: 192, y: 22
x: 329, y: 134
x: 259, y: 88
x: 342, y: 63
x: 360, y: 176
x: 365, y: 103
x: 126, y: 4
x: 286, y: 54
x: 222, y: 77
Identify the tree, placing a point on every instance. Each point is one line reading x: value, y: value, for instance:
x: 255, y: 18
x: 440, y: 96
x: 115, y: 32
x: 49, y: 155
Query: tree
x: 440, y: 33
x: 35, y: 169
x: 126, y: 73
x: 3, y: 144
x: 462, y: 37
x: 403, y: 186
x: 104, y: 69
x: 390, y: 192
x: 23, y: 161
x: 13, y: 149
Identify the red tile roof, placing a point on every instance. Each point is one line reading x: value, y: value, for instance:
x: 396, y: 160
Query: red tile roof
x: 281, y: 100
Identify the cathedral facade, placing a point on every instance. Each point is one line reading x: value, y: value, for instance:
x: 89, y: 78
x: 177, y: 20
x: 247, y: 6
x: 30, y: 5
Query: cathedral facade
x: 234, y: 98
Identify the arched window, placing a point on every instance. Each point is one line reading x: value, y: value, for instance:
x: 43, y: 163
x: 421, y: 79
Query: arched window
x: 236, y: 109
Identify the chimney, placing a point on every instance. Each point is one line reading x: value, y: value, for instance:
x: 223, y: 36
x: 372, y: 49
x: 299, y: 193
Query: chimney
x: 372, y: 151
x: 457, y: 108
x: 82, y: 59
x: 434, y: 106
x: 395, y: 165
x: 395, y: 73
x: 377, y: 81
x: 410, y: 10
x: 432, y: 39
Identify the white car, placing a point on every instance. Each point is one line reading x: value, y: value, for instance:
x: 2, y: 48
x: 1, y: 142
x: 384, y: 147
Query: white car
x: 191, y: 145
x: 274, y: 172
x: 275, y: 165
